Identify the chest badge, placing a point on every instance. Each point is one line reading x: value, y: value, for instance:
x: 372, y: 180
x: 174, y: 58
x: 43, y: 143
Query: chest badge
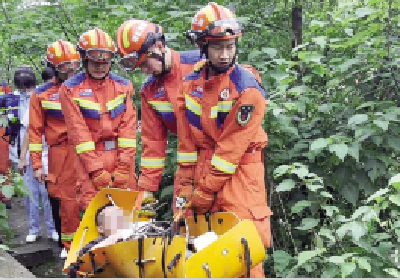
x: 160, y: 92
x: 86, y: 92
x: 198, y: 91
x: 244, y: 114
x: 225, y: 93
x: 54, y: 97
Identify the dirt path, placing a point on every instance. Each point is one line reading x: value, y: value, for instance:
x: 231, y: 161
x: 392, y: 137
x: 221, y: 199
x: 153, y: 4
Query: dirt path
x: 41, y: 257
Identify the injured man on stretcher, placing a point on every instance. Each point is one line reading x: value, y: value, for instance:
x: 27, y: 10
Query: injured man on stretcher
x: 116, y: 225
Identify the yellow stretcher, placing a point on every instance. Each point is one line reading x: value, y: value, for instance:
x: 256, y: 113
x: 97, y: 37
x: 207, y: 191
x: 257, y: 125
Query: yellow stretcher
x: 238, y: 248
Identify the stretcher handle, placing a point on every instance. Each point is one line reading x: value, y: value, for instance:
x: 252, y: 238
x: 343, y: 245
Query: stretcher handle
x: 110, y: 199
x: 174, y: 261
x: 83, y: 238
x: 207, y: 269
x: 247, y: 256
x: 182, y: 212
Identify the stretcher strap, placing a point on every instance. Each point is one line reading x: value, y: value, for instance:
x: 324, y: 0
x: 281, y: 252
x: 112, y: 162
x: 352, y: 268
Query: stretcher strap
x: 90, y: 245
x: 73, y: 268
x: 171, y: 233
x: 207, y: 217
x: 91, y: 255
x: 163, y: 257
x: 174, y: 261
x: 247, y: 256
x: 140, y: 263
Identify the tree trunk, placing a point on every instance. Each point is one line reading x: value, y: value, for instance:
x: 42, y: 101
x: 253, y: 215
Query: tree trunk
x: 297, y: 28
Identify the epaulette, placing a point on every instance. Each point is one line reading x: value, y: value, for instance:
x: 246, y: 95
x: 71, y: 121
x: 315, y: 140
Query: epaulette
x: 200, y: 65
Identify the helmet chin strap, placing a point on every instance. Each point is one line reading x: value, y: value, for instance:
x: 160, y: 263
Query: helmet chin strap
x: 59, y: 80
x: 56, y: 73
x: 221, y: 70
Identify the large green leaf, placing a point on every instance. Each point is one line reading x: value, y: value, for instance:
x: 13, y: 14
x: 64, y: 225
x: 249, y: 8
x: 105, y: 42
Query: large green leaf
x: 286, y: 185
x: 363, y: 263
x: 300, y: 205
x: 392, y: 272
x: 395, y: 198
x: 355, y: 228
x: 362, y: 12
x: 395, y: 181
x: 307, y: 255
x: 347, y: 268
x: 7, y: 190
x: 308, y: 223
x: 378, y: 194
x: 281, y: 259
x: 382, y: 124
x: 319, y: 143
x: 339, y: 149
x: 357, y: 119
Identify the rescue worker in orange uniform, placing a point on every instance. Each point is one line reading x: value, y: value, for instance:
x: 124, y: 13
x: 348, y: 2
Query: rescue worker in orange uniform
x: 225, y: 106
x: 141, y: 44
x: 4, y: 159
x: 100, y: 118
x: 46, y: 118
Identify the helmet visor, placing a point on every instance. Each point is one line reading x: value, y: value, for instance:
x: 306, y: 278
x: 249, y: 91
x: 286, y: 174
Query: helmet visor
x: 129, y: 62
x: 68, y: 66
x: 100, y: 55
x: 222, y: 28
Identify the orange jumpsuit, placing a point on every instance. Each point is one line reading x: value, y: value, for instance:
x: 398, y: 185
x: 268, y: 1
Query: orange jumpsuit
x: 223, y: 128
x: 47, y: 118
x: 158, y: 116
x: 101, y: 124
x: 4, y: 158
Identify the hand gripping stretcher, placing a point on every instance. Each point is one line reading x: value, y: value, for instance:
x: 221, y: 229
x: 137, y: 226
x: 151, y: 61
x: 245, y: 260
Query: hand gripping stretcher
x: 164, y: 253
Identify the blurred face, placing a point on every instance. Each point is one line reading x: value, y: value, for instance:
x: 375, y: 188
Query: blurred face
x: 111, y: 220
x: 98, y: 70
x: 151, y: 65
x: 65, y: 76
x: 222, y: 52
x: 26, y: 90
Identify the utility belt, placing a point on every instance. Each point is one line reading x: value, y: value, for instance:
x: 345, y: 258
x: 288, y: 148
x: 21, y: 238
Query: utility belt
x: 248, y: 157
x: 106, y: 145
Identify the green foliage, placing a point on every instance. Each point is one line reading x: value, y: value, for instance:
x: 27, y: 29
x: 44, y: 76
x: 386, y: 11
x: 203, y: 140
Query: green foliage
x: 10, y: 186
x: 332, y: 116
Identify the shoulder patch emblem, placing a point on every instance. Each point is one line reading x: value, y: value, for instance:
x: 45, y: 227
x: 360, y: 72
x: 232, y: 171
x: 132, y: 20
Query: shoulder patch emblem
x: 244, y: 114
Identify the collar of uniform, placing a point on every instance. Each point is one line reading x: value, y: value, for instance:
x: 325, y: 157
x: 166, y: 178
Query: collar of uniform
x: 217, y: 79
x: 97, y: 83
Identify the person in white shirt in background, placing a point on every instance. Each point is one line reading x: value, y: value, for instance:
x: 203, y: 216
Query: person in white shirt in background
x: 25, y: 82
